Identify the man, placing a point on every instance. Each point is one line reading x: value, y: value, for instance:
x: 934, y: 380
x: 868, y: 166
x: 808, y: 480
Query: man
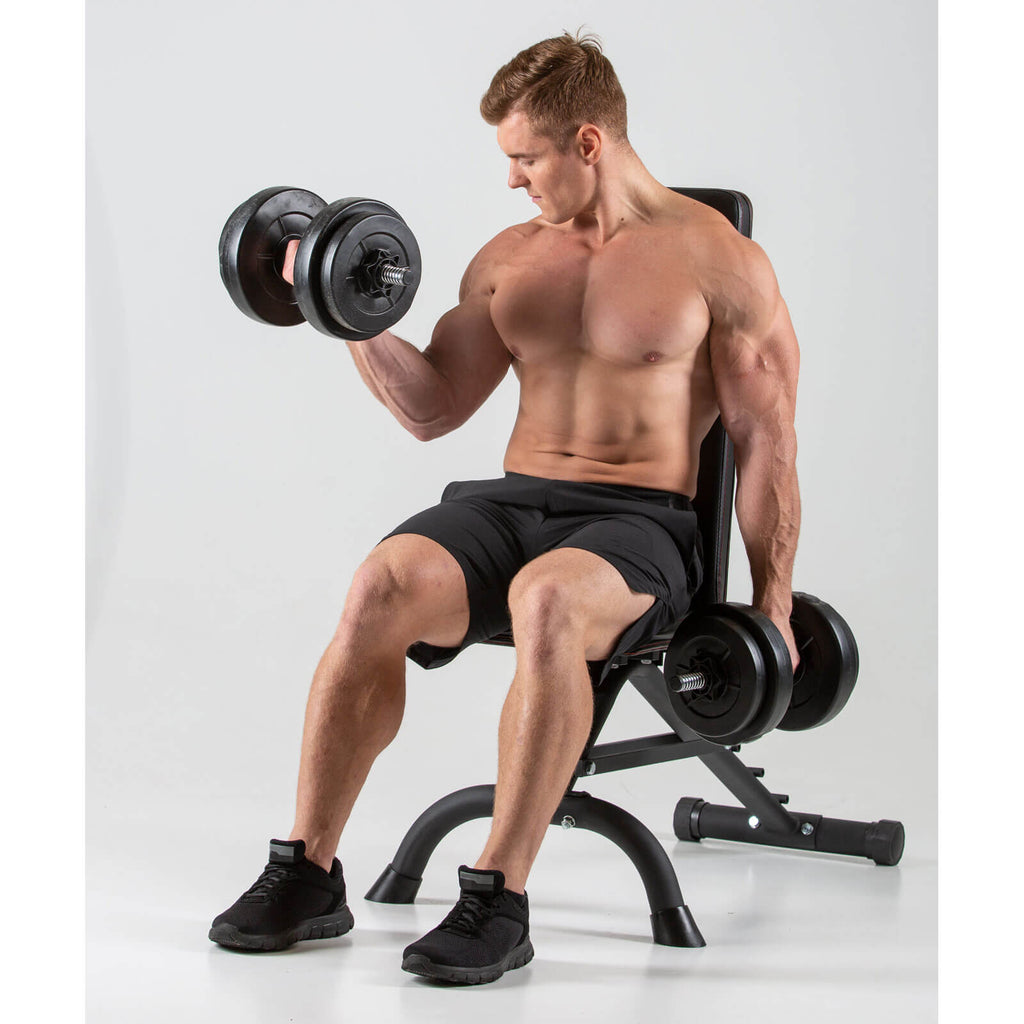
x: 633, y: 317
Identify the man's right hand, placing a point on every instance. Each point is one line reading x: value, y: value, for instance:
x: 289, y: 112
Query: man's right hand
x: 288, y: 270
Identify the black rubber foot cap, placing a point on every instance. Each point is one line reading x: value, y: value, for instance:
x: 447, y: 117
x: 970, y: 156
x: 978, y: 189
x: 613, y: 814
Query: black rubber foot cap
x: 676, y: 927
x: 884, y: 842
x: 686, y: 818
x: 393, y: 887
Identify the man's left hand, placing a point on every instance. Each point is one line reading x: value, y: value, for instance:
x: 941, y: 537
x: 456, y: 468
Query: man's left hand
x: 787, y: 634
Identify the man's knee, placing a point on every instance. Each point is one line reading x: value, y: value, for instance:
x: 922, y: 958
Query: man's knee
x: 403, y: 588
x: 571, y: 598
x: 377, y: 588
x: 545, y: 610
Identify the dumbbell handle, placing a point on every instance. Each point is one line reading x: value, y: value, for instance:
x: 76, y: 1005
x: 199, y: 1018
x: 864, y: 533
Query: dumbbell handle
x: 388, y: 273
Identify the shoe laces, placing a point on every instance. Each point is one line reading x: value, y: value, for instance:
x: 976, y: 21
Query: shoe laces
x: 468, y: 915
x: 269, y: 884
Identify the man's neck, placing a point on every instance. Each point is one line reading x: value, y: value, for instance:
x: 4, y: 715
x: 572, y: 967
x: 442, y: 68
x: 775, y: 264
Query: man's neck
x: 625, y: 194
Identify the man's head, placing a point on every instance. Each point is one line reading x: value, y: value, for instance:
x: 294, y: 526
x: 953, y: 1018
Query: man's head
x: 557, y: 106
x: 560, y: 84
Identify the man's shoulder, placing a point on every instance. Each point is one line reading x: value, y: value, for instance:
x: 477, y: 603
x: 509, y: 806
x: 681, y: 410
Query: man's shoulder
x: 703, y: 228
x: 719, y: 253
x: 498, y: 253
x: 509, y: 239
x: 736, y: 277
x: 732, y: 271
x: 485, y: 266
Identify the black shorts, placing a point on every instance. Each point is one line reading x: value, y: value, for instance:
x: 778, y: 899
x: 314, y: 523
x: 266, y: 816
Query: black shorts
x: 494, y: 527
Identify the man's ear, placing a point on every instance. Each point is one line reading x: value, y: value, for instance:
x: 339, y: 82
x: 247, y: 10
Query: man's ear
x: 590, y: 143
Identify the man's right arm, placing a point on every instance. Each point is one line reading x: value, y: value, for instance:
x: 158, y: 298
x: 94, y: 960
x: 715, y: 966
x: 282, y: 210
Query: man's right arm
x: 434, y: 391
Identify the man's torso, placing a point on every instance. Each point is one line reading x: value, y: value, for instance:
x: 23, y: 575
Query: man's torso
x: 610, y: 345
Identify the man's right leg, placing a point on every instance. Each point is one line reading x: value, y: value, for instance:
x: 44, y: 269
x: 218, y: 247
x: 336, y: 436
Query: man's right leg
x: 409, y: 589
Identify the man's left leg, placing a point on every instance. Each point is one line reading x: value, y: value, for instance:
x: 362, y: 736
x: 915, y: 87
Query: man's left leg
x: 567, y: 606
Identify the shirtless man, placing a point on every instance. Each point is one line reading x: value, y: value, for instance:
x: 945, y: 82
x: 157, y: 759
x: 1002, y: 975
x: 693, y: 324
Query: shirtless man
x: 632, y: 317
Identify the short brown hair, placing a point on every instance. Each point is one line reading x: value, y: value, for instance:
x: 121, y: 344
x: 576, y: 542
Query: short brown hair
x: 560, y: 84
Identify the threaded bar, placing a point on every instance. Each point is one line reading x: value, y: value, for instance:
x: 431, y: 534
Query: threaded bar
x: 689, y: 681
x: 392, y: 274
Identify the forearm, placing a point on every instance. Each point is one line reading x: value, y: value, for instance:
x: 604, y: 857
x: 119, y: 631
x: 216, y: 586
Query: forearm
x: 403, y: 380
x: 398, y: 374
x: 768, y: 513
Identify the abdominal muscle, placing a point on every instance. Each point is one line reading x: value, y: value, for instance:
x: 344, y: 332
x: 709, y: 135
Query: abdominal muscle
x: 602, y: 423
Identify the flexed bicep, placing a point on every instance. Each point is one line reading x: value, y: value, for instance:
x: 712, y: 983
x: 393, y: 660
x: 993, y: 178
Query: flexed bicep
x: 466, y: 348
x: 467, y: 351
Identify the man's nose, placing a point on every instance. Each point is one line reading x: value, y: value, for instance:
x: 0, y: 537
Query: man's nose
x: 516, y: 178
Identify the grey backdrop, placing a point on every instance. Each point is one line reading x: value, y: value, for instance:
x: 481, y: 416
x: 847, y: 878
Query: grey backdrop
x: 237, y: 474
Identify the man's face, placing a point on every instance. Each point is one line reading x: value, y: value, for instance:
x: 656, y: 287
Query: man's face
x: 556, y: 181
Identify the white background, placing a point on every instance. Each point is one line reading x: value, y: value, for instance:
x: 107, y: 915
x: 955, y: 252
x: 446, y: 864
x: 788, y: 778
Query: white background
x: 223, y: 456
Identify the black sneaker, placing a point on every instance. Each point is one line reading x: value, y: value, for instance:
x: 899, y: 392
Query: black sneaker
x: 486, y: 933
x: 293, y: 899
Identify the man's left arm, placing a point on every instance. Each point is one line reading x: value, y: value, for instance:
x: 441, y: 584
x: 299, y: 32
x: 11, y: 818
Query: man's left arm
x: 755, y: 362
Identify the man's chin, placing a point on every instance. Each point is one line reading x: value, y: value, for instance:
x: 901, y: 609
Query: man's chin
x: 552, y: 217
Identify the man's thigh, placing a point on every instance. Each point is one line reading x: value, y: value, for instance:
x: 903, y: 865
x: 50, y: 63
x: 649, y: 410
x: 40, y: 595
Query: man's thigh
x: 483, y: 541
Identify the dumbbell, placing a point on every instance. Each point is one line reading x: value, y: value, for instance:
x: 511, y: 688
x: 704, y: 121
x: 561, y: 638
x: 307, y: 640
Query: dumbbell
x: 731, y: 679
x: 356, y: 271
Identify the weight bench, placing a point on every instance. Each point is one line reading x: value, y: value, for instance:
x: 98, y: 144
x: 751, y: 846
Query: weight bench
x: 762, y: 817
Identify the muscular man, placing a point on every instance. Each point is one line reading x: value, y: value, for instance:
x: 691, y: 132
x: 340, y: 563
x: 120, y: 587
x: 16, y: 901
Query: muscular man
x: 632, y: 317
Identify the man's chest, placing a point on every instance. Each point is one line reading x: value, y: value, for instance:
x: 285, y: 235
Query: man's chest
x: 633, y: 302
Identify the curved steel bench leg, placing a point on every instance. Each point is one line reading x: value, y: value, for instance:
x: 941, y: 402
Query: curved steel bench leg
x: 672, y: 923
x: 401, y: 879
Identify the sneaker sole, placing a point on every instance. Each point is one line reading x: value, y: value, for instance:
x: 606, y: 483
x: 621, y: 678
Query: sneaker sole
x: 417, y: 963
x: 329, y: 926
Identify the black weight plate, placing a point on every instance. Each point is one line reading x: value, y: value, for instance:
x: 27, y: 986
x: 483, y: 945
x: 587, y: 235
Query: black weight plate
x: 778, y: 665
x: 358, y: 241
x: 829, y: 663
x: 309, y: 260
x: 728, y: 654
x: 252, y: 248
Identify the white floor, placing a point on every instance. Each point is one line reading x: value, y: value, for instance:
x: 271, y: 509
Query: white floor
x: 790, y: 936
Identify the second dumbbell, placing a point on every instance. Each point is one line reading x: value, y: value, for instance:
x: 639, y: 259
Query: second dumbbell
x: 731, y: 679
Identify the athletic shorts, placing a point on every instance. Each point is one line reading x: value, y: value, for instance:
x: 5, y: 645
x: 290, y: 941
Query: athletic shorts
x: 494, y: 527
